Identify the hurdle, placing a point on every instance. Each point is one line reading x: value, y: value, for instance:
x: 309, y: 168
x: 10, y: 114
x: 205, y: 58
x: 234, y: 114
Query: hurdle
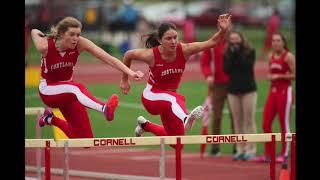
x: 168, y: 140
x: 36, y: 111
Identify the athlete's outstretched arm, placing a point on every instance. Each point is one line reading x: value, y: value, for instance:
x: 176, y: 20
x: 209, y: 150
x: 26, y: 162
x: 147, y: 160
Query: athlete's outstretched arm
x: 89, y: 46
x: 40, y: 41
x: 224, y: 24
x: 144, y: 55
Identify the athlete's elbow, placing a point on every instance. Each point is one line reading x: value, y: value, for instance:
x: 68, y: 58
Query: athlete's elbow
x: 128, y: 55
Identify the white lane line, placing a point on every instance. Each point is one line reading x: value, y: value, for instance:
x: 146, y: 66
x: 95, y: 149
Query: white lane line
x: 139, y: 106
x: 90, y: 174
x: 30, y: 178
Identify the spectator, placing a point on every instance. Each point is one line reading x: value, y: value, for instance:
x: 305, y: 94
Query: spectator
x: 112, y: 17
x: 129, y: 16
x: 188, y: 31
x: 189, y: 35
x: 282, y: 70
x: 238, y: 61
x: 273, y: 26
x: 125, y: 20
x: 27, y: 24
x: 217, y: 80
x: 45, y: 15
x: 123, y: 17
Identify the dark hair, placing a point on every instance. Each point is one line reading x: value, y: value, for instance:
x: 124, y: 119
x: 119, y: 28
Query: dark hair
x: 152, y: 40
x: 276, y: 11
x: 283, y: 39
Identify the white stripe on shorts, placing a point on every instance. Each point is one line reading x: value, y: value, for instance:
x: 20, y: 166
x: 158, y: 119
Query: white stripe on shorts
x: 151, y: 96
x: 68, y: 88
x: 287, y: 116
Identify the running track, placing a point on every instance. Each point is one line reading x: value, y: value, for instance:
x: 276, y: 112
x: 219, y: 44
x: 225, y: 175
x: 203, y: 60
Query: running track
x: 99, y: 73
x: 141, y: 162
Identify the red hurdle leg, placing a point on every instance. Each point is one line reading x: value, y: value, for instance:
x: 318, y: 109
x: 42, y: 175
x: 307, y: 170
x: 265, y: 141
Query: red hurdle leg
x: 273, y: 158
x: 178, y: 159
x: 293, y: 158
x: 47, y: 160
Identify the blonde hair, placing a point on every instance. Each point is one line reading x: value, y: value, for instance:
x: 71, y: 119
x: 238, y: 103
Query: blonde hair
x: 63, y: 26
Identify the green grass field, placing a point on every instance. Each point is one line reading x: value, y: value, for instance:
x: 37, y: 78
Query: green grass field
x: 130, y: 108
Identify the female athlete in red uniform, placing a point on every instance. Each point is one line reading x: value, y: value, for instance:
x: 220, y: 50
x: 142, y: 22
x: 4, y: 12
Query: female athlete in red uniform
x: 60, y: 51
x: 166, y: 58
x: 280, y: 98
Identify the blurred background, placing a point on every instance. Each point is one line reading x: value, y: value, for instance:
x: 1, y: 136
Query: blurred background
x: 117, y: 25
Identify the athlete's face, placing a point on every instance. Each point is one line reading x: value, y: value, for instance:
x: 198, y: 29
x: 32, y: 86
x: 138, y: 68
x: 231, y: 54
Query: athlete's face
x: 169, y: 40
x: 277, y: 42
x: 71, y: 37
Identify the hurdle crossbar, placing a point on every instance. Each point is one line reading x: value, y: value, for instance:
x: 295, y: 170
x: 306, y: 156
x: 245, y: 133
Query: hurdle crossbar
x: 170, y: 140
x: 33, y: 110
x: 159, y: 140
x: 142, y: 141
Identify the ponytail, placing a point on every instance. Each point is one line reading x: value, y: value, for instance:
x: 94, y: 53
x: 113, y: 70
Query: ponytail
x: 152, y: 40
x: 53, y: 33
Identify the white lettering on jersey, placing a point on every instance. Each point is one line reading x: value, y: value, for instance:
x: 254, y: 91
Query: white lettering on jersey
x: 171, y: 71
x: 61, y: 65
x: 276, y: 66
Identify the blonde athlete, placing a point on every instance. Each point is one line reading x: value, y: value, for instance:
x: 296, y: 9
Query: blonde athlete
x: 60, y: 51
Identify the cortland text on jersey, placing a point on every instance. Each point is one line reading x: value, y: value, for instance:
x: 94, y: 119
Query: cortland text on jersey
x: 61, y: 65
x: 276, y: 66
x: 171, y: 71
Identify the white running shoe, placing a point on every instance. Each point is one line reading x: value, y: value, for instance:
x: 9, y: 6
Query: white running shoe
x: 195, y: 114
x: 139, y: 130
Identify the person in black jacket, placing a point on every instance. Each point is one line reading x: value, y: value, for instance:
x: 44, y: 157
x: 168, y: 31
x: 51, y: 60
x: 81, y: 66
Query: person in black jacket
x: 239, y: 59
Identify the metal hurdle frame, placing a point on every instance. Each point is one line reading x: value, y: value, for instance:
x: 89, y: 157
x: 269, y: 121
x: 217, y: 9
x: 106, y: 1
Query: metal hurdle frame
x: 36, y: 111
x: 170, y: 140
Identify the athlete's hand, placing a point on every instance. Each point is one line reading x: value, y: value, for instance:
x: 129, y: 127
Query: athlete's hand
x: 210, y: 80
x: 224, y: 22
x: 125, y: 86
x: 137, y: 76
x: 273, y: 76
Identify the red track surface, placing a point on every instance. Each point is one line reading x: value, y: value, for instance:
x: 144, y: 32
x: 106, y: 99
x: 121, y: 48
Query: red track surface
x: 146, y: 163
x: 139, y: 162
x: 99, y: 73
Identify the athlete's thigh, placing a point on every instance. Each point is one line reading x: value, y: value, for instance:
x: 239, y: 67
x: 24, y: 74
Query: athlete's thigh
x: 77, y: 116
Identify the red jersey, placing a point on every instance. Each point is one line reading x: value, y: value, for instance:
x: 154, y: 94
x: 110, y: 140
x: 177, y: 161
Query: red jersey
x: 214, y: 55
x: 167, y: 75
x: 279, y: 66
x: 58, y: 66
